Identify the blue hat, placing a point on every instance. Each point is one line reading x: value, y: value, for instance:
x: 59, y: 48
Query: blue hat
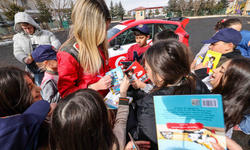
x: 143, y: 28
x: 228, y: 35
x: 43, y: 53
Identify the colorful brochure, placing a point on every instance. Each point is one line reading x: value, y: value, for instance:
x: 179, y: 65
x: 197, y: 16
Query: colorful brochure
x: 116, y: 75
x: 112, y: 98
x: 189, y: 122
x: 213, y: 59
x: 136, y: 72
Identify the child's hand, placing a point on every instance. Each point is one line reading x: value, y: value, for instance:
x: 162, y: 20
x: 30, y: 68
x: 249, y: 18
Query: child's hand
x: 52, y: 108
x: 103, y: 84
x: 27, y: 60
x: 200, y: 66
x: 192, y: 65
x: 231, y: 145
x: 124, y: 86
x: 143, y: 145
x: 138, y: 84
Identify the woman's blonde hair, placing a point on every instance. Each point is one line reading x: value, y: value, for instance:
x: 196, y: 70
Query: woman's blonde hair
x: 90, y: 18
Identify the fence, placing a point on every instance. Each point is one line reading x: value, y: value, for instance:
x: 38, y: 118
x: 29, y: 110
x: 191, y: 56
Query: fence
x: 199, y: 13
x: 52, y: 26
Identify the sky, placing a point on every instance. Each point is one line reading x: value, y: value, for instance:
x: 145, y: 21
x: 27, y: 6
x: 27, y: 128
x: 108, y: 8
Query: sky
x: 131, y: 4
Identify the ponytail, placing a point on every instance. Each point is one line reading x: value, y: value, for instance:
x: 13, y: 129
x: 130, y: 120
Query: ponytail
x: 187, y: 85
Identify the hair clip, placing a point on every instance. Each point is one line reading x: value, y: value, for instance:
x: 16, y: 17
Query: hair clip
x: 223, y: 20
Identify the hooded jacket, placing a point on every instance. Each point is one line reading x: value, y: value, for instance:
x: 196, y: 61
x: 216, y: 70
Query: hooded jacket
x: 20, y: 132
x: 243, y: 46
x: 141, y: 121
x: 22, y: 43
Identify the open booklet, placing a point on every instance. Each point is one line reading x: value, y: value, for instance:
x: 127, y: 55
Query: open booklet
x: 136, y: 72
x: 112, y: 98
x: 189, y: 122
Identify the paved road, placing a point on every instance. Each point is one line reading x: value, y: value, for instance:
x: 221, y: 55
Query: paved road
x: 198, y: 29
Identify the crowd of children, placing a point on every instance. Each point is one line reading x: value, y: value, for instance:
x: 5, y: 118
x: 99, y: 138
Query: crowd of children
x: 67, y: 111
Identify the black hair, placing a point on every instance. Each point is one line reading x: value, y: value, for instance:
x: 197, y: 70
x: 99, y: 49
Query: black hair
x: 234, y: 88
x: 81, y: 121
x: 15, y: 93
x: 165, y: 34
x: 169, y: 59
x: 226, y: 23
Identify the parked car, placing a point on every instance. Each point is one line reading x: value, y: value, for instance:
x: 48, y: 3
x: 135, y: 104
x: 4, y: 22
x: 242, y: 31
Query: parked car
x: 121, y: 36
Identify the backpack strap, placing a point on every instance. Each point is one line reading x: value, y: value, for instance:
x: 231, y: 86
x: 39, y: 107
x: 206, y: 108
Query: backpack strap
x: 72, y: 51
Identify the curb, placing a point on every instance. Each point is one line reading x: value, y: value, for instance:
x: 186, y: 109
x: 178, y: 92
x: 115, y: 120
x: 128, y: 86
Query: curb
x: 214, y: 16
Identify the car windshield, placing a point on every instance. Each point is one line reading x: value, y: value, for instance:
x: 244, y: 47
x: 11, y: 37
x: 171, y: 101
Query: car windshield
x: 112, y: 32
x: 115, y: 30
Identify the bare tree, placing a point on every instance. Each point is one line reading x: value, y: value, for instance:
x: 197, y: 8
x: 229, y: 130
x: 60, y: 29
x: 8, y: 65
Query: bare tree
x: 60, y: 8
x: 4, y: 4
x: 196, y: 6
x: 184, y: 5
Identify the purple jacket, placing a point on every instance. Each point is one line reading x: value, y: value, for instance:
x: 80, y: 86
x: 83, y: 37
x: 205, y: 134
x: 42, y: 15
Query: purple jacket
x: 20, y: 132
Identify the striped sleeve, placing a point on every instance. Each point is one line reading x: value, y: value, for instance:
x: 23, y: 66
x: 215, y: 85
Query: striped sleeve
x: 123, y: 101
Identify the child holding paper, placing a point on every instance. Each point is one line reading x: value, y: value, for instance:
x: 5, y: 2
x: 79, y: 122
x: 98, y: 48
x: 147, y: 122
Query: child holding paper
x: 168, y: 68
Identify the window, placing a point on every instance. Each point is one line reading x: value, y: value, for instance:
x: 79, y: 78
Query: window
x: 127, y: 37
x: 160, y: 27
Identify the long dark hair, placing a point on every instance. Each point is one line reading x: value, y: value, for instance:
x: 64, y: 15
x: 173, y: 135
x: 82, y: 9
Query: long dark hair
x: 234, y: 87
x: 15, y: 93
x: 226, y: 23
x: 170, y: 60
x: 80, y: 121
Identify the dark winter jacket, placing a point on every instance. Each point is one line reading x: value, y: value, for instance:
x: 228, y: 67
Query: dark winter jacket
x: 141, y: 121
x: 20, y: 132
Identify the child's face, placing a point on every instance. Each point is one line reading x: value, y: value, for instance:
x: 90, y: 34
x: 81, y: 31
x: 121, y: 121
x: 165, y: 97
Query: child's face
x: 150, y: 74
x: 35, y: 90
x: 219, y: 47
x: 141, y: 40
x: 54, y: 64
x: 218, y: 73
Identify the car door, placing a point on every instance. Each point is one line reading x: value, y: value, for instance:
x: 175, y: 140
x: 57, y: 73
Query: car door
x: 120, y: 45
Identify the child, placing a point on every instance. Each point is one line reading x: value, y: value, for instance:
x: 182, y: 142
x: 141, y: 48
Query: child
x: 163, y: 35
x: 46, y: 54
x: 22, y: 109
x: 168, y: 67
x: 234, y: 23
x: 135, y: 52
x: 84, y: 111
x: 224, y: 41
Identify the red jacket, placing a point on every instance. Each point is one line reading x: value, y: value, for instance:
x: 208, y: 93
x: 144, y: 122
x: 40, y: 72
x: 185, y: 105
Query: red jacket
x: 71, y: 73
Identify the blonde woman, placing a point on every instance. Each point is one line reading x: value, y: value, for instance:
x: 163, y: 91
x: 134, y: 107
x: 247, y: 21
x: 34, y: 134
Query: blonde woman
x: 83, y: 59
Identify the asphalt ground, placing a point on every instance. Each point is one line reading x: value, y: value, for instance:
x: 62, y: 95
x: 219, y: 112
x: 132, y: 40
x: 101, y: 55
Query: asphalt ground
x: 198, y: 29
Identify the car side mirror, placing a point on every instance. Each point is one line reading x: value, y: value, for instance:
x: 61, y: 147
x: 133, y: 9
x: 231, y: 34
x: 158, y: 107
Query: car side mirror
x: 116, y: 47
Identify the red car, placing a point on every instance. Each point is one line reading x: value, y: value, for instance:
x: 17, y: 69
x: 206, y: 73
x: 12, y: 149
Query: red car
x: 121, y: 36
